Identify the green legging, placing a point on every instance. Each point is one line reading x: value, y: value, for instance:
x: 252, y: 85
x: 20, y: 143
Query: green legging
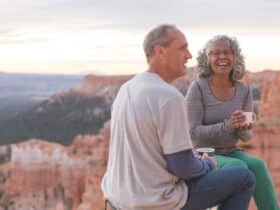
x: 264, y: 195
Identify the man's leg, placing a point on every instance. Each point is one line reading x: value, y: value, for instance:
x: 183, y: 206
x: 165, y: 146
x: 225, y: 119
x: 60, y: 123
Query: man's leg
x: 230, y: 188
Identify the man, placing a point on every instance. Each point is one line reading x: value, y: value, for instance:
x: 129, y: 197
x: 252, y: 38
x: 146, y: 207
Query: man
x: 151, y: 164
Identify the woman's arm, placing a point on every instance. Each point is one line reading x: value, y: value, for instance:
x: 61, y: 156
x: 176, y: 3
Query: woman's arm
x: 246, y: 135
x: 195, y: 112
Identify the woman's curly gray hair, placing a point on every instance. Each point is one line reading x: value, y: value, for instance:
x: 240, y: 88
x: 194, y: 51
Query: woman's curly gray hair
x: 203, y: 59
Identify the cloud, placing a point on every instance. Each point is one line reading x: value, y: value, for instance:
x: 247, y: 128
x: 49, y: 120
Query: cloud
x: 137, y: 15
x: 97, y: 29
x: 22, y: 41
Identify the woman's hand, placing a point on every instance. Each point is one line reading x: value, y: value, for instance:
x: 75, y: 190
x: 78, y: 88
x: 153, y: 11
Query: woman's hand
x: 237, y: 120
x: 246, y: 126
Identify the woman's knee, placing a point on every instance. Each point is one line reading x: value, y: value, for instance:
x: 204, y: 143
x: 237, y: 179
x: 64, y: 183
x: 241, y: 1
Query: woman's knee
x: 256, y: 164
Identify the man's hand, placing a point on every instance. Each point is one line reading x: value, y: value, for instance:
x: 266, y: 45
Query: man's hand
x: 211, y: 159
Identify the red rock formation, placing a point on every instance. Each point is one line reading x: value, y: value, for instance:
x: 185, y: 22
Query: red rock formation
x: 266, y: 140
x: 182, y: 83
x: 270, y: 101
x: 40, y: 167
x: 72, y: 181
x: 45, y: 146
x: 102, y: 85
x: 257, y: 79
x: 246, y: 78
x: 265, y: 144
x: 93, y: 196
x: 63, y: 182
x: 260, y: 77
x: 108, y: 86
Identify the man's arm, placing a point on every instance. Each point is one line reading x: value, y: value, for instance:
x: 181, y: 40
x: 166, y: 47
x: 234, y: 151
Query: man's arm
x: 185, y: 165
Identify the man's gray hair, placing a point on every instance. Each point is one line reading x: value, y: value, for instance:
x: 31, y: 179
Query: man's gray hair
x: 203, y: 59
x: 157, y: 36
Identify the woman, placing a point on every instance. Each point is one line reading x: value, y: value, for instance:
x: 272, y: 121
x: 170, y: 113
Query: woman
x: 215, y: 105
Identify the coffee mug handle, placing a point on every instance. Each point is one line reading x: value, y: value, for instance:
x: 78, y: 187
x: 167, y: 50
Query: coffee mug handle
x: 254, y: 116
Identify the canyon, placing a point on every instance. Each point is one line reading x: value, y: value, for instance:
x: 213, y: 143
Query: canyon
x: 41, y: 175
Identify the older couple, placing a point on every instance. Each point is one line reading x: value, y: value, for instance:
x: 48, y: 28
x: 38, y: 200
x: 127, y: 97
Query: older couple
x: 151, y: 161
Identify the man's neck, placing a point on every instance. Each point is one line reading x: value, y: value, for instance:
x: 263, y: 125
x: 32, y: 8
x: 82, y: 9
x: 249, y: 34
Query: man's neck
x: 161, y: 71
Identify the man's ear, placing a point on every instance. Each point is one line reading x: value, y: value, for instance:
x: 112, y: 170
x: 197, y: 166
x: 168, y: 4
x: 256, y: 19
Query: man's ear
x: 159, y: 50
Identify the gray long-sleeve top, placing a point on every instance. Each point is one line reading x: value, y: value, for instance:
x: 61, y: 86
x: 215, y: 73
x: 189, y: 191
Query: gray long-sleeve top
x: 209, y: 117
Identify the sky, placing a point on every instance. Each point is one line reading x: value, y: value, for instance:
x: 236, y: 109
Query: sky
x: 106, y: 36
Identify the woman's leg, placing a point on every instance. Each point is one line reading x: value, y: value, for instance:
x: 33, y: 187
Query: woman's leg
x: 227, y: 161
x: 264, y: 195
x: 230, y: 188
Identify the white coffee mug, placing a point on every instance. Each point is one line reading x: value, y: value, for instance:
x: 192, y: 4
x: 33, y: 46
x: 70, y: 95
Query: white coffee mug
x: 208, y: 150
x: 250, y: 117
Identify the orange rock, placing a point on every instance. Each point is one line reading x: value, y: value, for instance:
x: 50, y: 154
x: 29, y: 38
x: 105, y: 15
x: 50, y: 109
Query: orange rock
x: 270, y: 101
x: 265, y: 142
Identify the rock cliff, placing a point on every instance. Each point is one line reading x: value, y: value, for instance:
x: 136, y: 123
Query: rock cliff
x: 266, y: 139
x: 40, y: 175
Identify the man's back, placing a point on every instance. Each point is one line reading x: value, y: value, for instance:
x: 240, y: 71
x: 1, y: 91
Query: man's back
x: 141, y: 133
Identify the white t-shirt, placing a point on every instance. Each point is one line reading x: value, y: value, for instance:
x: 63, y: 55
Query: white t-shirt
x: 148, y: 120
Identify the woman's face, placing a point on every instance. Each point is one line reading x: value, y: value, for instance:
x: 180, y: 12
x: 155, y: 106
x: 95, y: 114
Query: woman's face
x: 221, y: 58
